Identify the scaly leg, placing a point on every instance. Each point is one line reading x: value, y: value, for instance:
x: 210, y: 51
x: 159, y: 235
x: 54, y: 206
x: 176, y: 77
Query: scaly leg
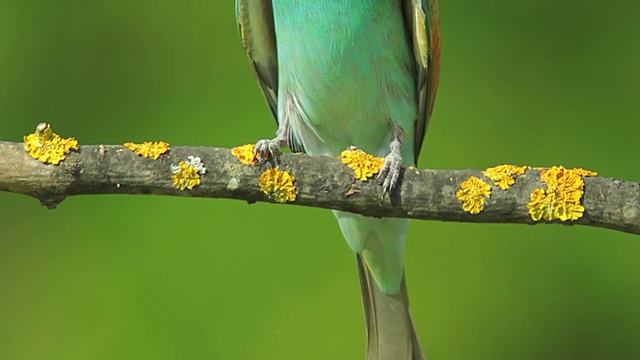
x: 270, y: 149
x: 392, y: 166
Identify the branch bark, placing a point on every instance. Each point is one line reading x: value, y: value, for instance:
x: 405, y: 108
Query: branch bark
x: 322, y: 182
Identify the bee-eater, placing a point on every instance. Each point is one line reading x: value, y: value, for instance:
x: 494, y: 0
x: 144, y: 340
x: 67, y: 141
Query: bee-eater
x: 338, y: 73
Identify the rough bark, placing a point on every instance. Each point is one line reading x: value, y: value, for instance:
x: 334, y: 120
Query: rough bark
x: 322, y: 182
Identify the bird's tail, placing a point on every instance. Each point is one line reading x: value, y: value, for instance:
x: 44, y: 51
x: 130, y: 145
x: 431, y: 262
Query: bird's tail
x: 391, y: 334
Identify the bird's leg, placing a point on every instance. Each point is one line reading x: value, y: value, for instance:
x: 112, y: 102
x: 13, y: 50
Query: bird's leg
x: 290, y: 113
x: 390, y: 172
x: 270, y: 149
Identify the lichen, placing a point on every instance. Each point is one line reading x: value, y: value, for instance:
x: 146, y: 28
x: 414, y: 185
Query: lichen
x: 151, y: 150
x: 278, y: 185
x: 187, y: 174
x: 561, y: 199
x: 504, y: 175
x: 246, y: 154
x: 47, y: 146
x: 364, y: 165
x: 473, y: 193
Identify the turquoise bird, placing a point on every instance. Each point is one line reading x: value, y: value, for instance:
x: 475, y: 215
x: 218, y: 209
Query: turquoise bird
x: 338, y: 73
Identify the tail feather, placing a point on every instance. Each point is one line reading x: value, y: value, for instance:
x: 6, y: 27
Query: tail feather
x: 391, y: 334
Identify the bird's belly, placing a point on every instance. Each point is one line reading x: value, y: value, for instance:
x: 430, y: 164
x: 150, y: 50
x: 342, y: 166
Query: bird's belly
x: 350, y: 74
x: 341, y: 113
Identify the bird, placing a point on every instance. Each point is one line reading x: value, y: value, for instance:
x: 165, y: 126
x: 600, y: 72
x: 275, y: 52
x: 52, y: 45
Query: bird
x: 364, y: 73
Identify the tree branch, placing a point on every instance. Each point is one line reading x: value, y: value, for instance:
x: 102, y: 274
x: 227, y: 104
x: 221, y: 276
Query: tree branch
x: 322, y: 182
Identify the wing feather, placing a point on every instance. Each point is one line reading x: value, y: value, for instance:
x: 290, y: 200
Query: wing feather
x: 255, y: 22
x: 422, y: 19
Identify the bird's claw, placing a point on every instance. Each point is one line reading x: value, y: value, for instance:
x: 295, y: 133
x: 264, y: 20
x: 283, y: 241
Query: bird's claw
x: 390, y: 173
x: 267, y: 150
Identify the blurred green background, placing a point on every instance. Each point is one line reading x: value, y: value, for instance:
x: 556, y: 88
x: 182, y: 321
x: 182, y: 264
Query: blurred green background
x: 142, y: 277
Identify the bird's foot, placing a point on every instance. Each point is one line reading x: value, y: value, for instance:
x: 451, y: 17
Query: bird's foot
x: 268, y: 150
x: 391, y: 169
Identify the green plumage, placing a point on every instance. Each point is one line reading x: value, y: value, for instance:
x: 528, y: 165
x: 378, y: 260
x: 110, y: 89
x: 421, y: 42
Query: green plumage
x: 350, y: 69
x: 353, y: 72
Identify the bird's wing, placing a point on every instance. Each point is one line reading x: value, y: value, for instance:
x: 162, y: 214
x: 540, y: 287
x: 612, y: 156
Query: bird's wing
x: 423, y: 25
x: 255, y: 22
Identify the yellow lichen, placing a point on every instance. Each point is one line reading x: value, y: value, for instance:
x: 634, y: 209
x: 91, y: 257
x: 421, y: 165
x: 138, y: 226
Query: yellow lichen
x: 542, y: 205
x: 151, y: 150
x: 278, y: 185
x: 364, y: 165
x: 47, y: 146
x: 504, y: 175
x: 186, y: 175
x: 473, y: 193
x: 561, y: 199
x: 246, y: 154
x: 585, y: 172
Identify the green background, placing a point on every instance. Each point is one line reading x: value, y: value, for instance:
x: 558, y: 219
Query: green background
x: 144, y: 277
